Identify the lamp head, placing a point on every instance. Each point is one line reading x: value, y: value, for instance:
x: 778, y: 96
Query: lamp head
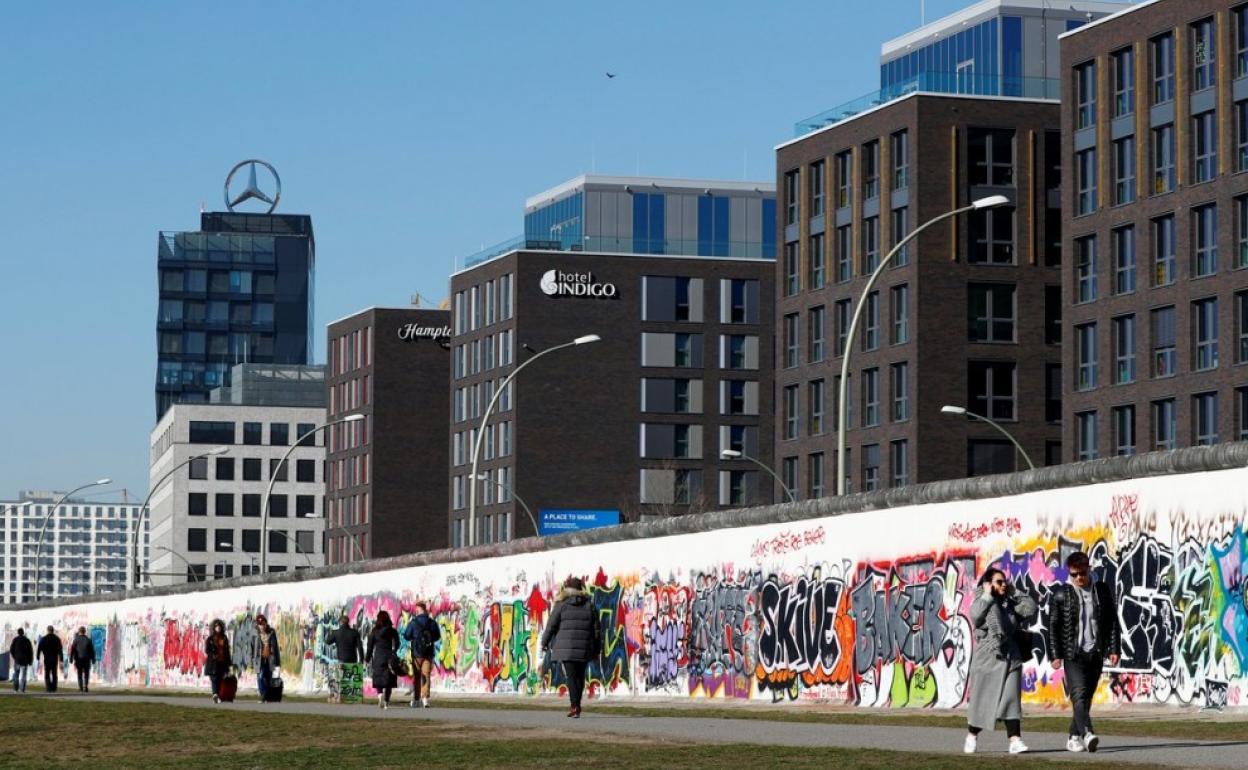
x: 103, y: 481
x: 990, y: 202
x: 947, y: 409
x: 730, y: 454
x: 217, y: 450
x: 586, y: 338
x: 353, y: 417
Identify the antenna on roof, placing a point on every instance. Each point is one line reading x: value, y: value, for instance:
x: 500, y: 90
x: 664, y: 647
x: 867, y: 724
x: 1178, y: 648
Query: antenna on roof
x: 922, y: 12
x: 201, y: 207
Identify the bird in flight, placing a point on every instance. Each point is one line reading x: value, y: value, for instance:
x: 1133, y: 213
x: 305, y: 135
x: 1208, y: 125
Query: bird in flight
x: 610, y: 75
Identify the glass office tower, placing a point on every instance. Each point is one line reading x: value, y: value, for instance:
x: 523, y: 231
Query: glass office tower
x: 239, y: 290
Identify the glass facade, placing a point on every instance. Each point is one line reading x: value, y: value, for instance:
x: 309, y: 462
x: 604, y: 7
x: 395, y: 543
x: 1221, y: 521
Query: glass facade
x: 237, y: 291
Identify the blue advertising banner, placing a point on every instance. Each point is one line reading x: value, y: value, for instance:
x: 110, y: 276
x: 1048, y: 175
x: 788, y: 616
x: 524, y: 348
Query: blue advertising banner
x: 556, y: 521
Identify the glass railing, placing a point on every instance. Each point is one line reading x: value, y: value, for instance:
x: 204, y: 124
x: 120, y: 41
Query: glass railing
x: 613, y: 245
x: 939, y: 83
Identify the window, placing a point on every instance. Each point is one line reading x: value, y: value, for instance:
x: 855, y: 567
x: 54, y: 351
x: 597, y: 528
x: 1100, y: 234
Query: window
x: 741, y: 301
x: 1204, y: 55
x: 251, y: 505
x: 791, y: 276
x: 1163, y: 250
x: 251, y: 541
x: 687, y: 351
x: 870, y: 244
x: 817, y: 182
x: 277, y: 506
x: 900, y: 228
x: 900, y: 304
x: 251, y: 469
x: 198, y: 469
x: 792, y: 197
x: 788, y: 473
x: 197, y: 504
x: 1085, y: 95
x: 1085, y: 423
x: 279, y: 434
x: 252, y: 433
x: 277, y: 541
x: 1124, y: 170
x: 1240, y: 41
x: 738, y: 397
x: 1165, y: 424
x: 196, y: 540
x: 224, y: 503
x: 815, y: 401
x: 1205, y: 419
x: 1124, y: 260
x: 842, y: 325
x: 814, y: 476
x: 871, y: 322
x: 1162, y: 49
x: 278, y: 469
x: 305, y: 470
x: 991, y: 312
x: 1085, y: 269
x: 1053, y: 392
x: 844, y: 175
x: 225, y: 469
x: 818, y: 263
x: 844, y: 253
x: 899, y: 374
x: 202, y: 432
x: 1124, y: 82
x: 991, y: 154
x: 1205, y: 240
x: 901, y: 159
x: 870, y: 467
x: 304, y: 542
x: 1053, y: 315
x: 1205, y: 331
x: 1164, y: 178
x: 1124, y: 349
x: 223, y: 540
x: 991, y: 389
x: 1241, y: 327
x: 900, y: 451
x: 818, y: 344
x: 1205, y: 146
x: 791, y: 413
x: 1124, y: 430
x: 738, y: 351
x: 1085, y: 179
x: 733, y: 487
x: 791, y: 341
x: 985, y: 457
x: 992, y: 236
x: 870, y: 397
x: 1241, y: 398
x: 1165, y: 358
x: 1085, y: 355
x: 870, y: 170
x: 1241, y: 136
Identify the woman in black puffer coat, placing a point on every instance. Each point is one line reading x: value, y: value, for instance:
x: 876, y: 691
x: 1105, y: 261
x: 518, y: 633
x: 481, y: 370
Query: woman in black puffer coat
x: 573, y: 637
x: 382, y: 653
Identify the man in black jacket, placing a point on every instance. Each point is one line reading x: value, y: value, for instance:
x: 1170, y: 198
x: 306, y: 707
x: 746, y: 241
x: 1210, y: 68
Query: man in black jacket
x: 52, y: 652
x: 348, y: 648
x: 82, y: 655
x: 22, y: 653
x: 1083, y: 631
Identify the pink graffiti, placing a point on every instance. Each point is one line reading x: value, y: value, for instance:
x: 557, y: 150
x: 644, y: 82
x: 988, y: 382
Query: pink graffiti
x: 969, y: 533
x: 1122, y: 511
x: 184, y: 650
x: 787, y: 541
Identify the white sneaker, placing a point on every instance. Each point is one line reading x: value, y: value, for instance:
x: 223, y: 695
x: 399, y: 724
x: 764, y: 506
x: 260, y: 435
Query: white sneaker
x: 1017, y: 746
x: 968, y: 746
x: 1091, y: 741
x: 412, y: 703
x: 381, y: 702
x: 424, y: 702
x: 1074, y: 744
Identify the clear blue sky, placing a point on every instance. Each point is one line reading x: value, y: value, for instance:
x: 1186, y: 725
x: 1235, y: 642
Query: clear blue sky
x: 411, y: 132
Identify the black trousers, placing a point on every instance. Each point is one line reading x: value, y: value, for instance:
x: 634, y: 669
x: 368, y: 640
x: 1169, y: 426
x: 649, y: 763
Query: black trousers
x: 1083, y: 671
x: 1013, y: 728
x: 84, y: 675
x: 50, y: 673
x: 574, y: 670
x: 215, y: 678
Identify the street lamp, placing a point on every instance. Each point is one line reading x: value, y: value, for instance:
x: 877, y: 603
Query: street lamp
x: 264, y: 520
x: 476, y: 445
x: 947, y: 409
x: 512, y: 491
x: 44, y: 529
x: 143, y: 509
x: 983, y: 203
x: 732, y: 454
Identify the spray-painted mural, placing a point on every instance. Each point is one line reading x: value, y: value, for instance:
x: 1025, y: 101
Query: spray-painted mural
x: 868, y: 608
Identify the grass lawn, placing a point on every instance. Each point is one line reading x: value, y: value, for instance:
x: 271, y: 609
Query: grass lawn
x: 152, y: 736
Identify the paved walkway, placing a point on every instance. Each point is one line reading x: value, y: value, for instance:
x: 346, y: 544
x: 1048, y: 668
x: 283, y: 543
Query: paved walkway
x: 1124, y: 750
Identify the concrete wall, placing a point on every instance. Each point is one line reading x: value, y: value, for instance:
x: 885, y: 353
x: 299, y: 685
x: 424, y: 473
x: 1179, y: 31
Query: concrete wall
x: 817, y: 600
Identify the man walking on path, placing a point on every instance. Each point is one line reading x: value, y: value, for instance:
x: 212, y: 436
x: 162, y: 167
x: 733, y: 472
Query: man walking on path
x: 51, y: 652
x: 423, y: 634
x: 22, y: 653
x: 82, y: 655
x: 349, y: 649
x: 1083, y: 629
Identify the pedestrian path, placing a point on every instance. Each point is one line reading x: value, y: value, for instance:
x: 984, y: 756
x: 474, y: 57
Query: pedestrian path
x: 1173, y: 752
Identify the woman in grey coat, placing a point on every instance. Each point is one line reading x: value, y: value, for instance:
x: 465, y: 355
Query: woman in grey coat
x: 573, y: 637
x: 999, y: 616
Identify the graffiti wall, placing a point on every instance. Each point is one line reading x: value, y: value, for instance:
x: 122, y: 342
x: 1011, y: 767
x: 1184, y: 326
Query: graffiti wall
x: 867, y: 608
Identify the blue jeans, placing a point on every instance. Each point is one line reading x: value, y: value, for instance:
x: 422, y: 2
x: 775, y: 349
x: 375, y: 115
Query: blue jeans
x: 20, y: 674
x: 264, y: 675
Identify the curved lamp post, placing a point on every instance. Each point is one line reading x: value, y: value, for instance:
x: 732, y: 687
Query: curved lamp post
x: 732, y: 454
x: 983, y: 203
x: 44, y: 529
x: 143, y: 509
x: 511, y: 490
x: 264, y: 520
x: 476, y: 445
x: 947, y: 409
x: 172, y: 552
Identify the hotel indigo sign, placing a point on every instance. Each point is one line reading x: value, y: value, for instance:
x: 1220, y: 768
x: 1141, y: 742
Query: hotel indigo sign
x: 557, y: 283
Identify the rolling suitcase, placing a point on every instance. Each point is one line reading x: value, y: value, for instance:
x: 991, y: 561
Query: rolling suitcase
x: 274, y: 693
x: 228, y: 688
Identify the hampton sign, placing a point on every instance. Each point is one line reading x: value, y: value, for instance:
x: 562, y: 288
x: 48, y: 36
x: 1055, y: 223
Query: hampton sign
x: 416, y: 331
x: 556, y: 283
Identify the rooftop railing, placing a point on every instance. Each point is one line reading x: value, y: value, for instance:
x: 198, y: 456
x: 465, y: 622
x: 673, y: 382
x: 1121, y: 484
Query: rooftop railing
x: 620, y: 245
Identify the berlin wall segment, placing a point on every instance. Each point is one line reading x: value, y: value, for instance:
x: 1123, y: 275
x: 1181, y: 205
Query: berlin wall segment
x: 853, y: 608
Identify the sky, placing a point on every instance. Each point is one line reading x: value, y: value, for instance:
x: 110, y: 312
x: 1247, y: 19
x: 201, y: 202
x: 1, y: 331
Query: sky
x: 411, y: 132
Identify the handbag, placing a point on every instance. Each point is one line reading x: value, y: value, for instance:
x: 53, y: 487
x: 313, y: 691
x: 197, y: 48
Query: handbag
x: 398, y: 666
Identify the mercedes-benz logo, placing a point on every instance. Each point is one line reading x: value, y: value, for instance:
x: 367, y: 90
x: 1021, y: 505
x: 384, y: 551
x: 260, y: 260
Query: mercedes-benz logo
x: 253, y: 190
